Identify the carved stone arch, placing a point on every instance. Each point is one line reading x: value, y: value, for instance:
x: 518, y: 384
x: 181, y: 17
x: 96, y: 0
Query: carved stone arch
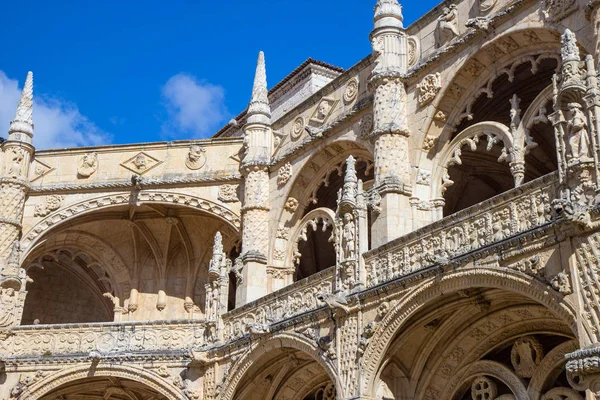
x: 323, y: 216
x: 548, y: 368
x: 467, y: 278
x: 80, y: 372
x: 475, y: 70
x: 277, y: 341
x: 317, y: 170
x: 492, y: 132
x: 496, y: 370
x: 66, y: 214
x: 103, y: 252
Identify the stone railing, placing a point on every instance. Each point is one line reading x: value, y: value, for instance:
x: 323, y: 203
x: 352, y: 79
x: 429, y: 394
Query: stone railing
x: 288, y: 302
x: 511, y: 213
x: 106, y: 339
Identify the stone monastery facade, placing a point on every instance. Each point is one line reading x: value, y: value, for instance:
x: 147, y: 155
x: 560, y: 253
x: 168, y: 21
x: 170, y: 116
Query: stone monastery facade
x: 423, y: 225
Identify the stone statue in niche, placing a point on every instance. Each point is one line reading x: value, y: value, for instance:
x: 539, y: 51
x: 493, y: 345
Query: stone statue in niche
x: 348, y: 236
x: 16, y: 162
x: 447, y: 25
x: 196, y: 157
x: 579, y: 141
x: 8, y: 303
x: 88, y: 164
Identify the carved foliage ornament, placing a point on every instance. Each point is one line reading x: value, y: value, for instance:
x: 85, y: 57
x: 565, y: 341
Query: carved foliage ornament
x: 228, y: 193
x: 429, y: 88
x: 52, y: 203
x: 284, y: 174
x: 87, y: 165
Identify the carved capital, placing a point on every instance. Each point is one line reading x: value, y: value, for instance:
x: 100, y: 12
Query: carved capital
x: 583, y: 369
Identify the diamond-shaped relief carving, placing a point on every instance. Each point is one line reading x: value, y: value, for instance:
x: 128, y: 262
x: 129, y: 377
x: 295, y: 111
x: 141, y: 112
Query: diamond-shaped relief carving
x: 141, y: 163
x: 39, y: 169
x: 323, y: 110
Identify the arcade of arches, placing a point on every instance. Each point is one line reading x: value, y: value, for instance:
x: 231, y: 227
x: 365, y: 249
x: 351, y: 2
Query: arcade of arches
x: 422, y: 225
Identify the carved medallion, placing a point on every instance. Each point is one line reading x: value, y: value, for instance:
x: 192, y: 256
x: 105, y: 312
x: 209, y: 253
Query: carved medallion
x: 141, y: 163
x: 429, y: 88
x: 414, y: 51
x: 196, y: 157
x: 323, y: 111
x: 87, y: 165
x: 351, y: 90
x: 297, y: 128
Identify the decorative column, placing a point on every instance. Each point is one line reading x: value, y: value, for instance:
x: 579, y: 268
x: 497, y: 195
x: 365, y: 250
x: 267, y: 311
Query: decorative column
x: 593, y: 15
x: 390, y: 128
x: 351, y: 233
x: 258, y: 142
x: 17, y: 152
x: 217, y: 287
x: 576, y: 129
x: 576, y: 105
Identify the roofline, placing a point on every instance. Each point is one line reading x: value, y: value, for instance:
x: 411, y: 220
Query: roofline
x: 290, y: 76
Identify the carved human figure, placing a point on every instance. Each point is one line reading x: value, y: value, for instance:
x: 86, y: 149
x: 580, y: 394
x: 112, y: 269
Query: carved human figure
x: 8, y: 298
x: 448, y: 24
x: 579, y: 141
x: 15, y: 253
x: 348, y: 237
x: 323, y: 110
x: 16, y: 161
x: 140, y: 162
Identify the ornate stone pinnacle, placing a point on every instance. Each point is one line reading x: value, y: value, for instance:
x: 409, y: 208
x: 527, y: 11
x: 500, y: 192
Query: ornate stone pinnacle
x: 218, y: 244
x: 259, y: 110
x: 350, y: 181
x: 569, y: 51
x: 23, y: 122
x: 388, y: 13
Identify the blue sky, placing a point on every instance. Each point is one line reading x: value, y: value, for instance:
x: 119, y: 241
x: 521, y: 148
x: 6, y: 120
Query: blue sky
x: 138, y: 71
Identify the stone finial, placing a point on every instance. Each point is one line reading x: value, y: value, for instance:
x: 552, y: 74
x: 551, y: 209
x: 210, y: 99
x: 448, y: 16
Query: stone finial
x: 350, y: 180
x: 388, y: 13
x: 259, y: 110
x: 569, y: 51
x: 218, y: 256
x: 218, y: 244
x: 23, y: 122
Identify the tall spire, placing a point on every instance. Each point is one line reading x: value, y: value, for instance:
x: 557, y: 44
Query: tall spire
x: 388, y: 13
x: 259, y: 110
x: 23, y: 122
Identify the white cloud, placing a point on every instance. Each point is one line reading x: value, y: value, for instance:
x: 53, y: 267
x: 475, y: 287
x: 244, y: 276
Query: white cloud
x: 195, y: 107
x: 57, y: 123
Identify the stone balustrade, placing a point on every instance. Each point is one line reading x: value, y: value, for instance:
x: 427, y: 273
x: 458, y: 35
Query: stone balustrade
x: 288, y: 302
x: 106, y: 339
x: 506, y: 215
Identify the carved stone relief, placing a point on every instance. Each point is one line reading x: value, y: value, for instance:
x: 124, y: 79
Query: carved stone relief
x: 447, y: 28
x: 284, y: 174
x: 87, y: 165
x: 51, y: 203
x: 429, y: 88
x: 351, y: 91
x: 141, y: 163
x: 40, y: 169
x: 297, y: 128
x: 291, y: 204
x: 228, y: 193
x: 414, y: 51
x: 196, y: 157
x: 323, y: 111
x: 555, y: 10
